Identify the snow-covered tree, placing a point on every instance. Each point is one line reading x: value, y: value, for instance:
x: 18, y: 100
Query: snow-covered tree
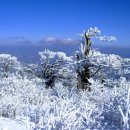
x: 8, y: 64
x: 54, y: 66
x: 84, y: 65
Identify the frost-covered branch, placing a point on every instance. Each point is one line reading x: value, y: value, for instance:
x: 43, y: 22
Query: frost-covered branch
x: 125, y: 116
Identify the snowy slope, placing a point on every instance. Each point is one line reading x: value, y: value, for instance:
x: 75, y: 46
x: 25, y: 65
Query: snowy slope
x: 9, y: 124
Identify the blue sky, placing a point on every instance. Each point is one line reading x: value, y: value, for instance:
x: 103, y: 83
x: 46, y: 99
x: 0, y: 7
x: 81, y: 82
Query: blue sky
x: 34, y: 20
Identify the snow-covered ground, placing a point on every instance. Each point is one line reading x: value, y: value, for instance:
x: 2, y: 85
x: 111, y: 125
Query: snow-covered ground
x: 10, y: 124
x: 19, y: 123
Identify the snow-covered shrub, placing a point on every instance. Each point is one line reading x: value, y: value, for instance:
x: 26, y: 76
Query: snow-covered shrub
x: 63, y: 108
x: 8, y: 64
x: 113, y: 67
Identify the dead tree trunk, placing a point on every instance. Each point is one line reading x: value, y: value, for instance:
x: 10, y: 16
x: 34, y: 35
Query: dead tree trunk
x: 83, y: 70
x: 5, y: 70
x: 87, y: 44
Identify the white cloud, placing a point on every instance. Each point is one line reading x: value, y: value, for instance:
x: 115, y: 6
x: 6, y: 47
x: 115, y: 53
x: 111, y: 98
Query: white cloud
x: 14, y: 40
x: 19, y: 40
x: 107, y: 38
x: 54, y: 40
x: 50, y: 39
x: 69, y: 41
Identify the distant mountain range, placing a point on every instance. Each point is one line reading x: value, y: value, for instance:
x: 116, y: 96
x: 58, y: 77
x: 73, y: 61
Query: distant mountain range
x: 29, y: 52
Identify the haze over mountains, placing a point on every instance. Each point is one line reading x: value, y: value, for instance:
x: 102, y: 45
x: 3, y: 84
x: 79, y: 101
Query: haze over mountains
x: 28, y: 52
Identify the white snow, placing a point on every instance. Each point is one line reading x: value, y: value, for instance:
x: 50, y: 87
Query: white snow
x: 10, y: 124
